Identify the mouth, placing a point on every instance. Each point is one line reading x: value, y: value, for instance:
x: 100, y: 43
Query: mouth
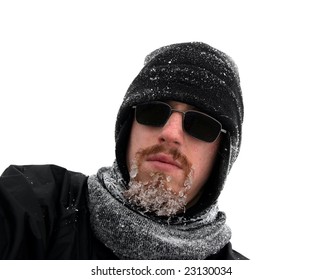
x: 164, y: 162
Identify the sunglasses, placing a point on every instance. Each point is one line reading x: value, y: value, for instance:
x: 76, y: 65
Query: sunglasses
x: 195, y: 123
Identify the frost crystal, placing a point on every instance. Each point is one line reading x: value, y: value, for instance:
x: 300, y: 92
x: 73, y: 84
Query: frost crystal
x: 134, y: 169
x: 189, y: 180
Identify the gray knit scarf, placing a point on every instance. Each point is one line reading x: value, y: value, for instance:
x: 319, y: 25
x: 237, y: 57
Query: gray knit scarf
x: 131, y: 234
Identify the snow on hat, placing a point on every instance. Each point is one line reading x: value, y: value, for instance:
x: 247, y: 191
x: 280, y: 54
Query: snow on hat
x: 193, y: 73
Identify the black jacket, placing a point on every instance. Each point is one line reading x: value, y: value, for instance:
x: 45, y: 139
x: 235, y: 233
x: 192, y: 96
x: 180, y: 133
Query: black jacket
x: 44, y: 215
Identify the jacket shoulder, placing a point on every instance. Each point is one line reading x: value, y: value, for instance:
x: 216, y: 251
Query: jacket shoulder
x: 46, y: 171
x: 46, y: 182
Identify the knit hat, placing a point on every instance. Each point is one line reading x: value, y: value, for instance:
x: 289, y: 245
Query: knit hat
x: 197, y: 74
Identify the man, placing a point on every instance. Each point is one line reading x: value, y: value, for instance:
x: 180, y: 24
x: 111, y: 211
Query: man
x: 178, y: 132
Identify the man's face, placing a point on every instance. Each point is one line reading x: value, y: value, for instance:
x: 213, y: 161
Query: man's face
x: 172, y: 154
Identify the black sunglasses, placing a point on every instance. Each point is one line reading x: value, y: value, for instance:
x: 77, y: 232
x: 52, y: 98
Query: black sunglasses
x: 195, y: 123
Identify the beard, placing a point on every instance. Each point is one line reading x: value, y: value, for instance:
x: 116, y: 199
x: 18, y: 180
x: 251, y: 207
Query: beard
x: 157, y: 192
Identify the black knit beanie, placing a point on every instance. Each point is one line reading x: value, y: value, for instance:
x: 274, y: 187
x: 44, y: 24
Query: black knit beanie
x: 197, y: 74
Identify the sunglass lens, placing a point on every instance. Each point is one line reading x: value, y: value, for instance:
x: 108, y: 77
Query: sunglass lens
x: 154, y: 114
x: 201, y: 126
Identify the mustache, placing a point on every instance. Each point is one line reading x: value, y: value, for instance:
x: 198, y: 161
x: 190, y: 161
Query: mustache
x: 174, y: 152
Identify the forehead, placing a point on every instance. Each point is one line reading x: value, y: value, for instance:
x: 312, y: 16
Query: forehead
x: 180, y: 105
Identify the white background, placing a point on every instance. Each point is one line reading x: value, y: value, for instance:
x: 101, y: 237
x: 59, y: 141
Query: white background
x: 65, y: 66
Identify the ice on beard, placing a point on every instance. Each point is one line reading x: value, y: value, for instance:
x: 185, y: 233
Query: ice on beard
x: 156, y: 196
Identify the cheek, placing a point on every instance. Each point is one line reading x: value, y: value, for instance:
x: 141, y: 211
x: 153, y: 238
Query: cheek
x: 132, y: 145
x: 140, y: 137
x: 204, y: 158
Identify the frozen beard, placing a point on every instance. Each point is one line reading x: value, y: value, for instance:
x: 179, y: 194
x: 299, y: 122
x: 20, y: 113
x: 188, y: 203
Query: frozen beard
x: 157, y: 192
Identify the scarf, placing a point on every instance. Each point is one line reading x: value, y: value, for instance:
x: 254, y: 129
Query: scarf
x: 132, y: 234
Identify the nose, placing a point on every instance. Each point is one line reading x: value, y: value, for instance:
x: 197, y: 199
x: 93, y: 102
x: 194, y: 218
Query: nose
x: 172, y: 132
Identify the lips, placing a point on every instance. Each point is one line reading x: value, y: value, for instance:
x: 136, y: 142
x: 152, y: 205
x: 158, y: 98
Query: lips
x: 164, y: 160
